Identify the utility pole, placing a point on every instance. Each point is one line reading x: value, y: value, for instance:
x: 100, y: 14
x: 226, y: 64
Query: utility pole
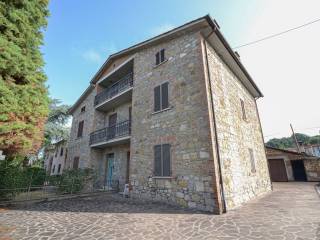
x: 295, y: 139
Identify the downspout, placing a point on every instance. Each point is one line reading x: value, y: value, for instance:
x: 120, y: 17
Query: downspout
x: 224, y: 210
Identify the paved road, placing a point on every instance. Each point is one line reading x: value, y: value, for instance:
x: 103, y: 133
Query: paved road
x: 291, y: 212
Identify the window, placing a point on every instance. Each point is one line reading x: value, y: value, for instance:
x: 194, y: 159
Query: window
x: 83, y: 109
x: 75, y: 162
x: 161, y: 97
x: 54, y: 168
x: 162, y: 165
x: 80, y: 129
x: 59, y: 168
x: 160, y: 57
x: 56, y: 152
x: 61, y: 151
x: 252, y: 160
x: 244, y: 116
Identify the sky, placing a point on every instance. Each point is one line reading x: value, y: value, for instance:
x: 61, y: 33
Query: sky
x: 81, y: 35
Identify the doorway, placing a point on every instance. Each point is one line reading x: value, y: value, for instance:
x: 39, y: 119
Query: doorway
x: 299, y: 172
x: 109, y: 170
x: 128, y: 167
x: 112, y: 126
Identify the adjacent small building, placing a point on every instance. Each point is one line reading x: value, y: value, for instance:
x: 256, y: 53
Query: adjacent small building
x: 55, y: 157
x: 287, y: 165
x: 312, y: 149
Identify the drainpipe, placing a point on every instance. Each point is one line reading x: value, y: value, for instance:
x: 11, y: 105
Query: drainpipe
x: 224, y: 210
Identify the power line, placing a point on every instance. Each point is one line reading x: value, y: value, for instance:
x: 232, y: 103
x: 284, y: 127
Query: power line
x: 277, y: 34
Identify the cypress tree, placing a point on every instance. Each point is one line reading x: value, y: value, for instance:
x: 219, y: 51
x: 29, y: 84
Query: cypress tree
x: 23, y: 94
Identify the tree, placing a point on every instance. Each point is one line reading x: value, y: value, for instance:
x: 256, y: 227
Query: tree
x: 288, y: 142
x: 23, y: 95
x: 56, y: 127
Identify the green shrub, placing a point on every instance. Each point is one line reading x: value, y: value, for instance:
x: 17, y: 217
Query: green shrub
x: 74, y: 181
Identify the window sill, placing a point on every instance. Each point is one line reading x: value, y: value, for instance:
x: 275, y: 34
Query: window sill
x: 155, y: 66
x: 164, y: 178
x: 163, y: 110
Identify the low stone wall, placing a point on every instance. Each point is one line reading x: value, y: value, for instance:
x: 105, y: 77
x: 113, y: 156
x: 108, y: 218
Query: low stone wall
x: 185, y: 191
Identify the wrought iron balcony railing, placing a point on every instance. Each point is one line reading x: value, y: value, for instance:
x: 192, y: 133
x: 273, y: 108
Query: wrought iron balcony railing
x: 118, y: 87
x: 118, y: 130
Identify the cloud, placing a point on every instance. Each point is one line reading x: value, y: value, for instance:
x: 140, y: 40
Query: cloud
x: 98, y: 55
x: 161, y: 29
x: 92, y: 55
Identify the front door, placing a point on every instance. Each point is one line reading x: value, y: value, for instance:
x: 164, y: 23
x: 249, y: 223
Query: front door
x: 109, y: 170
x: 299, y: 173
x: 112, y: 126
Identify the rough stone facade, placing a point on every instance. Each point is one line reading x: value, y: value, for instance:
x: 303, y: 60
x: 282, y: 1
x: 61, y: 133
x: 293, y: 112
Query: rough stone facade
x: 236, y: 135
x: 79, y: 147
x: 187, y: 125
x: 55, y: 158
x: 184, y: 125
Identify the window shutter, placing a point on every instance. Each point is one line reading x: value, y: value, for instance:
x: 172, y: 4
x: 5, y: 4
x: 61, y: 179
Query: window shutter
x: 157, y: 99
x: 157, y: 161
x: 252, y: 160
x: 162, y: 55
x: 164, y: 95
x: 80, y: 129
x: 244, y: 116
x: 166, y: 160
x: 157, y: 58
x: 76, y: 163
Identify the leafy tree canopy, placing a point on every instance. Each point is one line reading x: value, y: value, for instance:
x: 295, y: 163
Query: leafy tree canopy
x: 288, y: 142
x: 23, y: 95
x: 56, y: 127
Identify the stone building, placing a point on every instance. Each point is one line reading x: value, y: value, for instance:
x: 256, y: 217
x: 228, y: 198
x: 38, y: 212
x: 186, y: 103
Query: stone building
x: 55, y: 157
x: 287, y: 165
x: 176, y: 117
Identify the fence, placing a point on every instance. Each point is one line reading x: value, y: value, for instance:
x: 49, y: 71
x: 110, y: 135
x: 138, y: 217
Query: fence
x: 58, y: 186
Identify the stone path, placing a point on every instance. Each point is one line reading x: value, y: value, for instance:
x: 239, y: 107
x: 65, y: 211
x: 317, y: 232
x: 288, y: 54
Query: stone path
x: 291, y: 212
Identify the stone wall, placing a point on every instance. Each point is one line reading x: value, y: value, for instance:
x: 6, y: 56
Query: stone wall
x: 79, y: 147
x: 184, y: 125
x: 312, y: 168
x: 236, y: 136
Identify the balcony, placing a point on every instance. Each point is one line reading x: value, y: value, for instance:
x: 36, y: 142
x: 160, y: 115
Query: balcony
x: 112, y: 135
x: 116, y: 94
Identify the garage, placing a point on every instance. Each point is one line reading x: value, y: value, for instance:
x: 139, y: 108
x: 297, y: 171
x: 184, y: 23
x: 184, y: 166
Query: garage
x: 277, y: 170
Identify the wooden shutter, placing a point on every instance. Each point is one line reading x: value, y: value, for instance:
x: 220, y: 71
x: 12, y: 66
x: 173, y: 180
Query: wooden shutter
x: 157, y: 161
x: 252, y: 161
x: 166, y: 160
x: 157, y: 58
x: 162, y: 55
x: 244, y: 116
x: 164, y: 95
x: 80, y: 129
x: 157, y: 99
